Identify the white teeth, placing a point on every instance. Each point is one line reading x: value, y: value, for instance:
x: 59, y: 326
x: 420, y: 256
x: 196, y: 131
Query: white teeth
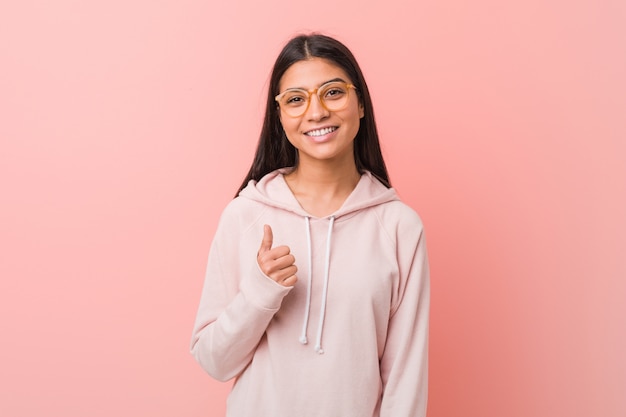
x: 321, y: 132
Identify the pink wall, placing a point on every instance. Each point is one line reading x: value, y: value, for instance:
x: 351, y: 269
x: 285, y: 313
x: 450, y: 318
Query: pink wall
x: 126, y: 126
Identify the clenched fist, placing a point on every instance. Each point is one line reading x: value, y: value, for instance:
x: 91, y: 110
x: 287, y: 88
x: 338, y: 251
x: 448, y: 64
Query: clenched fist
x: 277, y: 263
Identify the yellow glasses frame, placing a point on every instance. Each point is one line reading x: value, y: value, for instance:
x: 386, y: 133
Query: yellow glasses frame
x: 316, y: 91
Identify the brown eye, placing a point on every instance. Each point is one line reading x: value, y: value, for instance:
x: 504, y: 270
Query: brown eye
x: 294, y: 98
x: 334, y: 91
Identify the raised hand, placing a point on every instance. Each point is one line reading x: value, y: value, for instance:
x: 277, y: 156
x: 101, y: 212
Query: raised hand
x: 277, y: 263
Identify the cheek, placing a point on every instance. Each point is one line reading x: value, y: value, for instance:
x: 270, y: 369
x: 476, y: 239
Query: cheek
x: 288, y: 126
x: 291, y: 131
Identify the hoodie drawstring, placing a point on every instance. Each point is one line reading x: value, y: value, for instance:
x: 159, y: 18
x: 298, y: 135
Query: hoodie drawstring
x: 318, y: 346
x: 320, y: 328
x: 307, y: 310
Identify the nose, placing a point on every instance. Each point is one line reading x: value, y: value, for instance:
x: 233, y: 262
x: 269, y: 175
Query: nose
x: 316, y: 110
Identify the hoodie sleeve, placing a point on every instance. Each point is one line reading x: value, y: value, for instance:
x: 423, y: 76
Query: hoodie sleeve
x: 404, y: 364
x: 237, y: 303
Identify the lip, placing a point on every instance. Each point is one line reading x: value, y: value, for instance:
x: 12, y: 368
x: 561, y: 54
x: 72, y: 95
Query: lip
x: 324, y: 137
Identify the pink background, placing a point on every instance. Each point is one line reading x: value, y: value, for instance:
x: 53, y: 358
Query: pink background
x: 126, y: 126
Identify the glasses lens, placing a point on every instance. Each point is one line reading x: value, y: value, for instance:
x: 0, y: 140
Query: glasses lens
x: 294, y: 102
x: 334, y: 95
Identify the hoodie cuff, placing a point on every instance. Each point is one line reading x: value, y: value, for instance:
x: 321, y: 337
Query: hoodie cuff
x: 262, y: 291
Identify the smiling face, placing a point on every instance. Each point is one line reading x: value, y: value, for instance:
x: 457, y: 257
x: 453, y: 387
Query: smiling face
x: 320, y: 134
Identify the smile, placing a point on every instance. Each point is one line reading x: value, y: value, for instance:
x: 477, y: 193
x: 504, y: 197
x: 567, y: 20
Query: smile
x: 321, y: 132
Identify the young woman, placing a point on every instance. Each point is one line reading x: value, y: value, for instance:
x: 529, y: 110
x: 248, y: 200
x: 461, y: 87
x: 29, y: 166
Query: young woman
x: 316, y: 298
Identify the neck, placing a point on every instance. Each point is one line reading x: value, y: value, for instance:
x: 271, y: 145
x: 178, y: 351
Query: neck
x: 324, y: 180
x: 322, y: 188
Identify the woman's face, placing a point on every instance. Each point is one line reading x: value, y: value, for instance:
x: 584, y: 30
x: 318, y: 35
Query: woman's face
x: 320, y: 134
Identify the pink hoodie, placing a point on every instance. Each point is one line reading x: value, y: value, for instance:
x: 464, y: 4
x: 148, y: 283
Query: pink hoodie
x: 350, y: 338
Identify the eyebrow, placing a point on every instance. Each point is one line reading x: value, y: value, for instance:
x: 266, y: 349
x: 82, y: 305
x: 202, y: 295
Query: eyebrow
x: 325, y: 82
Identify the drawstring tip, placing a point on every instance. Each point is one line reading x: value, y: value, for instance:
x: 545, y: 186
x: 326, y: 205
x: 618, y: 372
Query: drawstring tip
x: 319, y: 350
x: 304, y: 340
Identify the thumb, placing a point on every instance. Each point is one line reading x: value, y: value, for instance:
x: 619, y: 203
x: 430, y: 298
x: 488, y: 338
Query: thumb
x: 268, y: 239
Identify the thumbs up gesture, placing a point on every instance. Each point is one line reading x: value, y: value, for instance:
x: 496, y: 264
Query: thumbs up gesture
x: 277, y: 263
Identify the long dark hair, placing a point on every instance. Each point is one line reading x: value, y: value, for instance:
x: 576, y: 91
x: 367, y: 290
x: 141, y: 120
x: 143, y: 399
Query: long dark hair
x: 274, y: 150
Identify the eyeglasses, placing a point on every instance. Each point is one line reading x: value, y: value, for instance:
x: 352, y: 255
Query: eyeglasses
x: 333, y: 96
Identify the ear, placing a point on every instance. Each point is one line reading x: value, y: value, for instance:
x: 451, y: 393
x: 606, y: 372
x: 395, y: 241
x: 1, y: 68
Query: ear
x: 280, y: 114
x: 361, y: 110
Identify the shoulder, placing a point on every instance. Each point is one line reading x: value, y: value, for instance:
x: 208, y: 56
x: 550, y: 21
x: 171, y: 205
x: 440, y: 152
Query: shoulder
x: 400, y: 223
x: 397, y: 213
x: 240, y: 213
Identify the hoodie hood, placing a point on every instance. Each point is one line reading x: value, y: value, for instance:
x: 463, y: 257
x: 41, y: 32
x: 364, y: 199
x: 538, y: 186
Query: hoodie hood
x: 272, y: 190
